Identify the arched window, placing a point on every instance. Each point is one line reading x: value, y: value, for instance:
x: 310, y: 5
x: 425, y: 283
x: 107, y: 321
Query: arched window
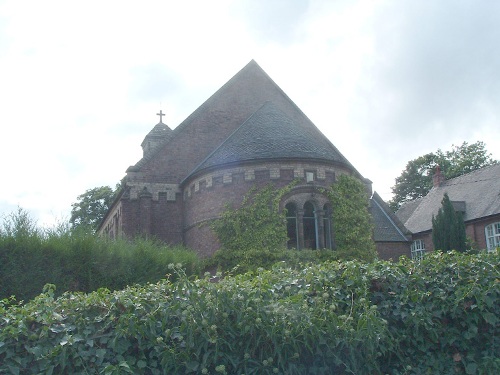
x: 310, y: 227
x: 492, y: 233
x: 291, y: 226
x: 327, y: 226
x: 417, y: 249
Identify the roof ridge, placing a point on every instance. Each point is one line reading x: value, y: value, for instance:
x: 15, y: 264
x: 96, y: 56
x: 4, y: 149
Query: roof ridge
x: 475, y: 171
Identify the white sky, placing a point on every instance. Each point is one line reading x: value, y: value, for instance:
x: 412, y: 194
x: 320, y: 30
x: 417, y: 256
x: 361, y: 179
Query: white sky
x: 386, y: 81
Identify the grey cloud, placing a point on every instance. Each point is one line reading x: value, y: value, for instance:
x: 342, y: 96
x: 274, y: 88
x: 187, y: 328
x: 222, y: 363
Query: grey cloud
x: 436, y: 70
x: 275, y: 20
x: 153, y: 82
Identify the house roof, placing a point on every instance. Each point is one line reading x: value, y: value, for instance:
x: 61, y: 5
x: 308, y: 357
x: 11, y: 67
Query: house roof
x: 269, y: 133
x: 479, y: 191
x: 387, y: 226
x: 407, y: 208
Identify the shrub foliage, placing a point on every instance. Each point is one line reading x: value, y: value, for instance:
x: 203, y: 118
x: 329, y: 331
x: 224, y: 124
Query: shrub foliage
x: 78, y: 261
x: 439, y: 316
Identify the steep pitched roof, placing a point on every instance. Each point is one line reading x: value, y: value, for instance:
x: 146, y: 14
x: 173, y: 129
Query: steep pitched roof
x: 387, y: 226
x: 480, y: 190
x: 271, y: 134
x: 217, y: 119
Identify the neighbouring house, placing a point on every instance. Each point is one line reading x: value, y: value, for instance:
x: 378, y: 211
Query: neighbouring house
x: 392, y: 238
x: 475, y: 194
x: 247, y: 134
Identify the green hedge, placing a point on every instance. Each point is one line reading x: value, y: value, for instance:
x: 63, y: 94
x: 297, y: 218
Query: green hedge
x: 440, y: 316
x: 31, y: 257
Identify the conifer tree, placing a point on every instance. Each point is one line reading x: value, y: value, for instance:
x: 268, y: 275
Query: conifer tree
x: 448, y: 228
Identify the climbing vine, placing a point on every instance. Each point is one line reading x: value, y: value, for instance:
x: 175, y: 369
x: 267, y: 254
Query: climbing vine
x: 253, y: 233
x: 351, y: 220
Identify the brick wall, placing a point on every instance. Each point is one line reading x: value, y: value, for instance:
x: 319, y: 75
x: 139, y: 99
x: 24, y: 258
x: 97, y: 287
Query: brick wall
x: 205, y: 197
x: 475, y: 230
x: 393, y: 250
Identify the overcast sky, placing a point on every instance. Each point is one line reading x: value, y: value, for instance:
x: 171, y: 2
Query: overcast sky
x: 386, y: 81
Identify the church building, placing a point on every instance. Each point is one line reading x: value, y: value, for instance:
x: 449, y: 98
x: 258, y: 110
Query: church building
x: 247, y: 135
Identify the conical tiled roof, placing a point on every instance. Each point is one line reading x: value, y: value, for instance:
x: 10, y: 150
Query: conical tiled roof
x: 270, y: 134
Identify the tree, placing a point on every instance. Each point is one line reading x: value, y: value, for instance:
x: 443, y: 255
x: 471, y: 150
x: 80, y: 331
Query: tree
x: 448, y: 228
x: 416, y: 180
x: 91, y: 207
x: 352, y: 222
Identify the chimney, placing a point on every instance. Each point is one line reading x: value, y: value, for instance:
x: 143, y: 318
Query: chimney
x: 438, y: 178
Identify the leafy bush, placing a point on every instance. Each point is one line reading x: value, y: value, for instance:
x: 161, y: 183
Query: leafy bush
x: 78, y: 261
x: 440, y: 316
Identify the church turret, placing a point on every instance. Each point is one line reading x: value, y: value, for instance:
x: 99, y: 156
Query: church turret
x: 156, y: 136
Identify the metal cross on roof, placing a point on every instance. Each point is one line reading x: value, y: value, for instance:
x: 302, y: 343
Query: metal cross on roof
x: 161, y: 114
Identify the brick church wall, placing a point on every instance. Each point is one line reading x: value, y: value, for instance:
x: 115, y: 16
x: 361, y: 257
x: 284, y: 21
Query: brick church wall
x: 157, y: 214
x: 205, y: 197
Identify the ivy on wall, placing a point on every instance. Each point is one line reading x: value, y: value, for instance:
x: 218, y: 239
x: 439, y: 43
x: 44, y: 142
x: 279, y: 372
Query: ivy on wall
x: 253, y: 234
x: 351, y: 220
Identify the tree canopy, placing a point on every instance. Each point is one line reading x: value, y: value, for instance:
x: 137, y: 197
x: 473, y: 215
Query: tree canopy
x: 416, y: 180
x: 91, y: 207
x: 448, y: 228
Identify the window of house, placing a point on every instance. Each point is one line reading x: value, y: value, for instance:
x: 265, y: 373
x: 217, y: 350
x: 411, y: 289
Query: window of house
x: 310, y: 232
x: 417, y: 249
x: 327, y: 227
x: 291, y: 226
x: 492, y: 233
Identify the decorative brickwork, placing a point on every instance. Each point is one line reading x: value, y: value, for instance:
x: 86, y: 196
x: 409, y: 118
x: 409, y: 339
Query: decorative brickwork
x: 171, y: 190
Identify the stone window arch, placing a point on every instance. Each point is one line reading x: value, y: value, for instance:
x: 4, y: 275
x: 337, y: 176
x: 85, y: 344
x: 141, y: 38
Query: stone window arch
x: 310, y: 226
x: 292, y: 225
x: 309, y: 222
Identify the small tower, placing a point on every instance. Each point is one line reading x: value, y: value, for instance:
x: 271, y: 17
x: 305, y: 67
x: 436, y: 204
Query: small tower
x: 159, y: 134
